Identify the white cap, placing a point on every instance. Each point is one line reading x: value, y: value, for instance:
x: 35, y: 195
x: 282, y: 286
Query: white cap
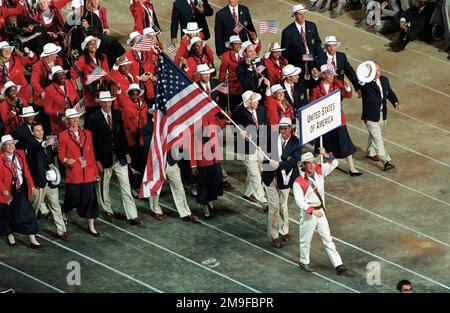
x: 132, y: 36
x: 298, y: 8
x: 204, y: 69
x: 192, y: 28
x: 72, y: 113
x: 244, y: 46
x: 89, y: 38
x: 8, y: 85
x: 105, y: 96
x: 248, y: 94
x: 366, y: 71
x: 28, y: 112
x: 7, y: 138
x: 291, y: 70
x: 276, y: 88
x: 56, y: 69
x: 233, y: 39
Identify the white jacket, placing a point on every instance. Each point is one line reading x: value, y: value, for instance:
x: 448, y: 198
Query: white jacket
x: 305, y: 197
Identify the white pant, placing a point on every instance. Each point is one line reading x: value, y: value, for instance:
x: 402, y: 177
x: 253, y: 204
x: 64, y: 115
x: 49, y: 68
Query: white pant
x: 375, y: 142
x: 253, y: 183
x: 278, y: 222
x: 103, y: 198
x: 178, y: 194
x: 52, y: 196
x: 308, y: 223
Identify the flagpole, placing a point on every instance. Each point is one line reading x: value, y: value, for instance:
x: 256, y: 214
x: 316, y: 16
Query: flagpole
x: 249, y: 139
x: 228, y: 94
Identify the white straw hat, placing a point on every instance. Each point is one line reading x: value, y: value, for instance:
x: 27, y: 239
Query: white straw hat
x: 89, y: 38
x: 291, y: 70
x: 204, y: 69
x: 56, y: 69
x: 49, y: 49
x: 276, y: 88
x: 7, y: 138
x: 8, y: 85
x: 105, y: 96
x: 366, y: 71
x: 298, y: 8
x: 72, y: 113
x: 331, y: 40
x: 192, y: 28
x: 244, y: 46
x: 132, y: 36
x: 28, y: 112
x: 233, y: 39
x: 248, y: 94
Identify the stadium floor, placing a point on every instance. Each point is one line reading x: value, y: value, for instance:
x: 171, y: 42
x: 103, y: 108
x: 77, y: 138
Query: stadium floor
x: 399, y: 218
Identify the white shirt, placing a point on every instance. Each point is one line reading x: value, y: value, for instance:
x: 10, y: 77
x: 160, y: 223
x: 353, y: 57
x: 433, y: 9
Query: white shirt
x: 280, y: 144
x: 300, y: 27
x: 288, y: 88
x: 47, y: 16
x: 206, y: 85
x: 253, y: 112
x: 19, y: 168
x: 381, y: 92
x: 232, y: 9
x: 106, y: 115
x: 330, y: 60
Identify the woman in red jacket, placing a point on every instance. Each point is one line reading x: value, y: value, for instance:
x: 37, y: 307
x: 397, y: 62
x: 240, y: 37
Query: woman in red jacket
x: 134, y: 113
x: 276, y: 106
x: 11, y: 107
x: 144, y: 15
x: 275, y: 63
x: 59, y: 96
x: 12, y: 68
x: 338, y: 140
x: 95, y: 7
x: 6, y: 13
x: 76, y: 152
x: 88, y: 62
x: 16, y: 189
x: 192, y: 30
x: 49, y: 15
x: 197, y: 55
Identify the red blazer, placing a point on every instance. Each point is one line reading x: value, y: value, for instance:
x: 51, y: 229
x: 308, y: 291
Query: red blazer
x: 124, y: 85
x: 54, y: 103
x: 193, y: 61
x: 86, y: 69
x: 11, y: 120
x: 40, y: 80
x: 275, y: 111
x: 17, y: 66
x: 319, y: 91
x: 68, y: 148
x: 183, y: 51
x: 150, y: 64
x: 6, y: 175
x: 134, y: 120
x: 6, y: 13
x: 275, y: 71
x: 229, y: 64
x: 208, y: 153
x: 137, y: 11
x: 58, y: 20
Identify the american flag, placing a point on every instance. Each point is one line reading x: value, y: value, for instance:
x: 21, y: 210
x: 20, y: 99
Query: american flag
x: 143, y: 43
x: 260, y: 69
x: 222, y: 88
x: 237, y: 29
x: 96, y: 74
x: 268, y: 26
x: 179, y: 105
x: 171, y: 47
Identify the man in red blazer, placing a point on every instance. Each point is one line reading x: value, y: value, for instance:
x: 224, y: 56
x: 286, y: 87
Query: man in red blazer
x: 121, y: 74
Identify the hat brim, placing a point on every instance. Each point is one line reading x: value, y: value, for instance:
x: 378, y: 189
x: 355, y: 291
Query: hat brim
x: 195, y: 31
x: 258, y: 98
x: 10, y: 47
x: 278, y: 50
x: 29, y: 114
x: 211, y: 70
x: 282, y: 89
x: 125, y: 63
x: 241, y: 52
x: 74, y: 115
x: 228, y: 44
x: 337, y: 43
x: 84, y: 43
x: 105, y: 99
x: 18, y: 87
x: 58, y: 49
x: 296, y: 72
x: 189, y: 46
x: 141, y: 91
x: 51, y: 75
x: 299, y: 11
x: 58, y: 177
x: 2, y: 143
x: 364, y: 78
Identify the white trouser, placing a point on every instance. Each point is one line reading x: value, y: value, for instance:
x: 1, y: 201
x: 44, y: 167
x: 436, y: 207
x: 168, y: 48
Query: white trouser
x: 176, y: 187
x: 375, y: 142
x: 308, y: 223
x: 52, y: 196
x: 278, y: 210
x: 253, y: 183
x: 103, y: 198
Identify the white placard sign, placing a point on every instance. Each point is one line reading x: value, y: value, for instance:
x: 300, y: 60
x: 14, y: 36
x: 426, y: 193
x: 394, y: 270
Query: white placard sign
x: 320, y: 117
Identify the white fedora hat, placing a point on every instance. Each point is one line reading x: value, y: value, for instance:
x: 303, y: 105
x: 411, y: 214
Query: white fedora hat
x: 135, y: 87
x: 49, y: 49
x: 285, y: 121
x: 150, y: 31
x: 330, y: 40
x: 276, y: 88
x: 125, y: 61
x: 248, y: 94
x: 28, y: 112
x: 89, y: 38
x: 276, y: 48
x: 132, y: 36
x: 291, y: 70
x: 298, y: 8
x: 105, y: 96
x: 5, y: 44
x: 366, y: 71
x: 193, y: 41
x: 325, y: 69
x: 7, y: 138
x: 233, y: 39
x: 53, y: 176
x: 306, y: 157
x: 56, y: 69
x: 8, y: 85
x: 72, y: 113
x: 244, y: 47
x: 204, y: 69
x: 192, y: 28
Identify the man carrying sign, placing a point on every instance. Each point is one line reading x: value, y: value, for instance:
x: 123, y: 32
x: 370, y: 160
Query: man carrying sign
x: 309, y: 194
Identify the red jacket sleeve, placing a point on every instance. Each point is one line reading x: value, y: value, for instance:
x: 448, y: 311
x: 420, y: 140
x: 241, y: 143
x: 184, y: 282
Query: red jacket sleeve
x: 105, y: 17
x: 36, y: 74
x: 271, y: 111
x: 136, y: 11
x: 61, y: 3
x: 223, y: 68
